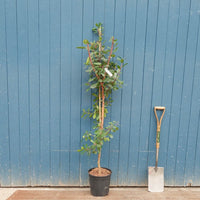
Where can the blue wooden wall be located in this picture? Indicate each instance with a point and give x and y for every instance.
(42, 90)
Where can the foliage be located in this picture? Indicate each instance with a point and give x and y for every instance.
(98, 138)
(104, 70)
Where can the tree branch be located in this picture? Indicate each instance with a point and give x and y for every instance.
(110, 51)
(110, 55)
(88, 48)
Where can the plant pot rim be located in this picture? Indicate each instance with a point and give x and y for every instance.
(100, 176)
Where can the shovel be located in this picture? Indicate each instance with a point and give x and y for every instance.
(156, 174)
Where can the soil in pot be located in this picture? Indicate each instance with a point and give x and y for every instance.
(103, 172)
(99, 183)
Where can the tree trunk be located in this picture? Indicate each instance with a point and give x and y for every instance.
(99, 106)
(99, 160)
(100, 124)
(103, 105)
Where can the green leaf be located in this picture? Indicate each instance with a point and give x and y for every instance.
(99, 24)
(87, 61)
(93, 85)
(115, 49)
(89, 70)
(83, 115)
(87, 89)
(125, 64)
(120, 59)
(80, 47)
(85, 42)
(111, 136)
(97, 63)
(94, 30)
(91, 79)
(95, 95)
(106, 139)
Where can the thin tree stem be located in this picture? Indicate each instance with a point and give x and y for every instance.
(109, 55)
(111, 51)
(99, 160)
(99, 106)
(100, 34)
(103, 105)
(88, 48)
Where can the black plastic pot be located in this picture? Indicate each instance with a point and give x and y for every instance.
(99, 185)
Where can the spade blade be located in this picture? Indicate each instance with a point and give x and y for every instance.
(155, 179)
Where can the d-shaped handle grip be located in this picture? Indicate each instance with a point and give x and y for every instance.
(159, 107)
(155, 111)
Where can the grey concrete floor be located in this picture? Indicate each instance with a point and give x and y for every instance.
(84, 193)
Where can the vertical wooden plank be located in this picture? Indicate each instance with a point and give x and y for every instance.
(197, 155)
(161, 36)
(192, 149)
(148, 76)
(34, 84)
(185, 104)
(192, 167)
(22, 29)
(44, 38)
(113, 146)
(116, 105)
(109, 9)
(55, 89)
(66, 46)
(12, 65)
(128, 74)
(75, 91)
(120, 24)
(85, 161)
(99, 11)
(170, 54)
(4, 106)
(137, 83)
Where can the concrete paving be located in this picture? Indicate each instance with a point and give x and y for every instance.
(84, 194)
(6, 192)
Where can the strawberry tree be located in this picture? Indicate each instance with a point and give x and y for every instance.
(104, 72)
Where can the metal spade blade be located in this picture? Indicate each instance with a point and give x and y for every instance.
(155, 179)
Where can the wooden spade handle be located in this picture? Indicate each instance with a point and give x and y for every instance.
(159, 121)
(159, 108)
(158, 131)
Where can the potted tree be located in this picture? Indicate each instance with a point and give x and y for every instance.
(104, 75)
